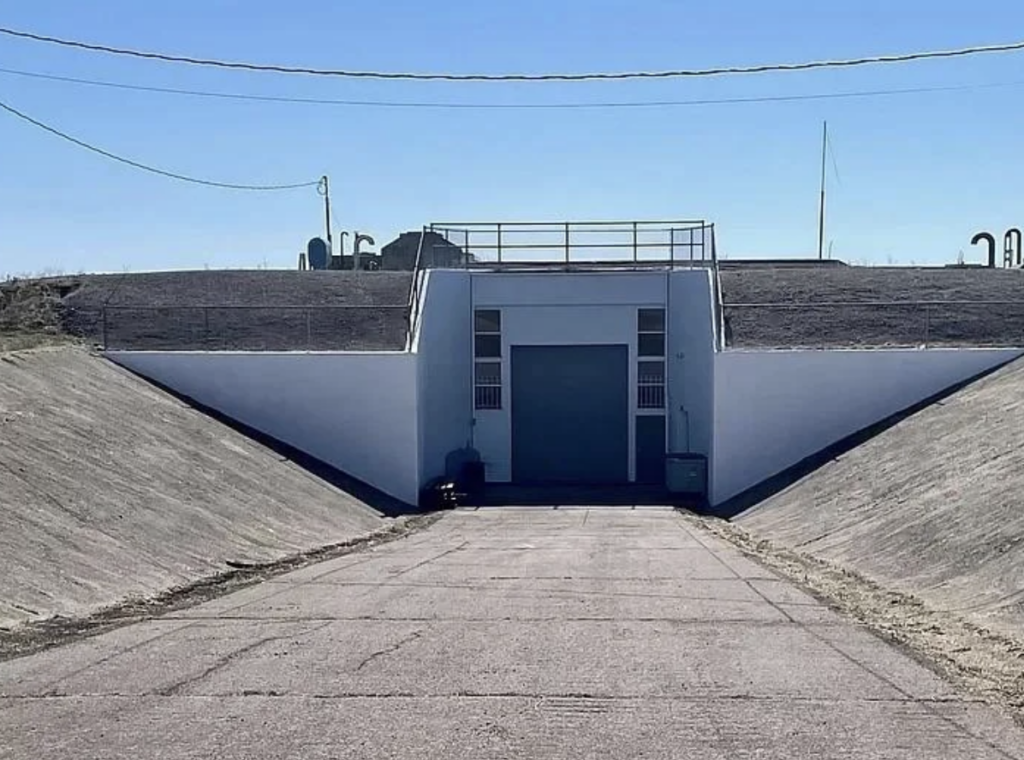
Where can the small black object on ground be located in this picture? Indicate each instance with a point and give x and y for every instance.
(447, 492)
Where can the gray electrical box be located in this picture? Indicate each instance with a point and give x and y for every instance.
(687, 474)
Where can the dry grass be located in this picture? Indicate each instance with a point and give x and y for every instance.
(30, 315)
(23, 341)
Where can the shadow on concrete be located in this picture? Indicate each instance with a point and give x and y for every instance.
(369, 495)
(788, 477)
(502, 495)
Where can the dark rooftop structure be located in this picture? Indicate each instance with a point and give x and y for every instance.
(437, 252)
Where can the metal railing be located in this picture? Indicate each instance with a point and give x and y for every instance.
(895, 324)
(632, 243)
(248, 328)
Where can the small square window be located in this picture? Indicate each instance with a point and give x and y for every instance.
(488, 373)
(651, 373)
(651, 320)
(488, 346)
(487, 321)
(651, 344)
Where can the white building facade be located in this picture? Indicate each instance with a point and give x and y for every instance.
(592, 376)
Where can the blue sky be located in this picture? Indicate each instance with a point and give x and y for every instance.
(917, 174)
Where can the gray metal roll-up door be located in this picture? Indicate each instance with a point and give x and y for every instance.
(570, 414)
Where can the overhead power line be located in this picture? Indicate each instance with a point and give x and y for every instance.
(847, 94)
(146, 167)
(667, 74)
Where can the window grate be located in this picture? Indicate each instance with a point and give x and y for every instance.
(487, 385)
(651, 345)
(488, 397)
(651, 397)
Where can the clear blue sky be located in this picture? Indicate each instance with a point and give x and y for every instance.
(919, 173)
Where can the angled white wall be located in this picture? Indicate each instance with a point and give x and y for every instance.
(445, 367)
(775, 408)
(355, 411)
(691, 352)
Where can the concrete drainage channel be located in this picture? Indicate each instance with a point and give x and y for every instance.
(979, 662)
(30, 638)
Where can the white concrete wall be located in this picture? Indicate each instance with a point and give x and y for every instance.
(499, 289)
(595, 309)
(445, 366)
(691, 353)
(355, 411)
(557, 308)
(549, 326)
(775, 408)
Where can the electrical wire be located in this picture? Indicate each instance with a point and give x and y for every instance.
(513, 106)
(600, 76)
(145, 167)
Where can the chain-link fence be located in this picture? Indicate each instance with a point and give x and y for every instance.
(875, 324)
(247, 328)
(386, 328)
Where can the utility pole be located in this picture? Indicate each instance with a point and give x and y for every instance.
(324, 188)
(821, 209)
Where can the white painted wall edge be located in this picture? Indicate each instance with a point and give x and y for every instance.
(422, 284)
(1009, 350)
(113, 354)
(412, 341)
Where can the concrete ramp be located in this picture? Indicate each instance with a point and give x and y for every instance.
(111, 489)
(933, 507)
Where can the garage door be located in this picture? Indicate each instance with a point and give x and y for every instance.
(570, 414)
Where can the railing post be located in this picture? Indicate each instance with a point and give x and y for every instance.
(499, 242)
(634, 243)
(566, 242)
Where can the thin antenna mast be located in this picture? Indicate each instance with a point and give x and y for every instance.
(821, 210)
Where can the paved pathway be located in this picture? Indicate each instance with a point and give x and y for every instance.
(494, 634)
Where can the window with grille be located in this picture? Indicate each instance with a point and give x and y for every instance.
(487, 359)
(651, 385)
(651, 364)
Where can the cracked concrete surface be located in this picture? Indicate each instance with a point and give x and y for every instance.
(112, 491)
(931, 507)
(512, 633)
